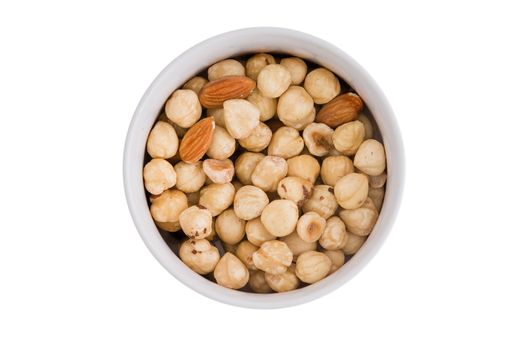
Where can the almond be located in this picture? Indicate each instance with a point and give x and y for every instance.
(340, 110)
(197, 140)
(214, 93)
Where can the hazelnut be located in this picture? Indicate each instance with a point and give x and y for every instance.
(312, 266)
(193, 198)
(273, 257)
(266, 105)
(323, 201)
(369, 128)
(310, 226)
(225, 68)
(295, 189)
(218, 171)
(348, 137)
(191, 177)
(337, 257)
(353, 243)
(351, 190)
(196, 222)
(295, 107)
(241, 117)
(162, 141)
(283, 282)
(230, 272)
(377, 181)
(199, 255)
(217, 197)
(286, 143)
(304, 166)
(183, 108)
(318, 139)
(258, 139)
(256, 233)
(257, 282)
(280, 217)
(334, 168)
(268, 172)
(229, 248)
(360, 221)
(195, 84)
(377, 195)
(222, 144)
(244, 252)
(213, 234)
(245, 164)
(249, 202)
(297, 245)
(256, 63)
(370, 158)
(273, 80)
(334, 235)
(218, 116)
(159, 175)
(322, 85)
(297, 68)
(168, 226)
(168, 205)
(229, 227)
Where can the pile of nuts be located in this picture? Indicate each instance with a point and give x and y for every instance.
(277, 179)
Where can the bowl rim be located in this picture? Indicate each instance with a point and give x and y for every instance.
(251, 40)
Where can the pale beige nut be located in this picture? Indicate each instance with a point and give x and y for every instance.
(245, 164)
(197, 140)
(245, 252)
(199, 255)
(297, 245)
(183, 108)
(318, 139)
(322, 85)
(196, 222)
(273, 80)
(229, 227)
(295, 108)
(163, 141)
(304, 166)
(266, 105)
(237, 184)
(297, 68)
(222, 145)
(353, 243)
(360, 221)
(218, 171)
(312, 266)
(257, 282)
(377, 195)
(256, 63)
(337, 257)
(230, 272)
(159, 175)
(213, 234)
(218, 116)
(295, 189)
(258, 139)
(249, 202)
(370, 157)
(217, 197)
(268, 172)
(334, 168)
(334, 235)
(195, 84)
(225, 68)
(241, 117)
(283, 282)
(190, 177)
(377, 181)
(280, 217)
(348, 137)
(351, 190)
(168, 226)
(286, 143)
(229, 248)
(273, 257)
(167, 206)
(323, 201)
(310, 226)
(256, 233)
(369, 128)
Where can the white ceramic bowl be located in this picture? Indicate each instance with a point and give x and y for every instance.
(237, 43)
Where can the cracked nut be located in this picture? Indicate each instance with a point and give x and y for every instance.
(286, 143)
(304, 166)
(256, 233)
(217, 197)
(273, 257)
(334, 235)
(370, 158)
(200, 255)
(163, 141)
(268, 172)
(334, 168)
(351, 190)
(280, 217)
(196, 222)
(312, 266)
(183, 108)
(230, 272)
(318, 139)
(295, 189)
(249, 202)
(322, 85)
(229, 227)
(323, 201)
(245, 164)
(273, 80)
(310, 226)
(159, 175)
(218, 171)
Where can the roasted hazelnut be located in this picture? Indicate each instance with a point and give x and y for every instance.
(230, 272)
(193, 198)
(334, 235)
(273, 80)
(168, 205)
(266, 105)
(191, 177)
(258, 140)
(370, 158)
(256, 233)
(162, 141)
(295, 189)
(273, 257)
(369, 129)
(351, 190)
(249, 202)
(244, 252)
(195, 84)
(199, 255)
(159, 175)
(312, 266)
(295, 108)
(286, 143)
(310, 226)
(229, 227)
(218, 116)
(323, 201)
(257, 282)
(297, 245)
(348, 137)
(280, 217)
(334, 168)
(304, 166)
(169, 226)
(360, 221)
(297, 68)
(256, 63)
(218, 171)
(322, 85)
(353, 243)
(318, 139)
(217, 197)
(268, 172)
(222, 144)
(283, 282)
(377, 195)
(337, 257)
(377, 181)
(196, 222)
(245, 164)
(183, 108)
(225, 68)
(241, 117)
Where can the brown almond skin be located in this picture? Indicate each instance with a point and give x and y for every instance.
(340, 110)
(197, 140)
(214, 93)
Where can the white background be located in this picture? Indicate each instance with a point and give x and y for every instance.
(74, 273)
